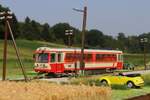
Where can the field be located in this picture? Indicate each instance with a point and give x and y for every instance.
(27, 48)
(118, 92)
(137, 60)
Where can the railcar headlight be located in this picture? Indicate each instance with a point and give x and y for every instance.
(36, 65)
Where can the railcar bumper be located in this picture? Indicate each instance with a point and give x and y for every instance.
(42, 70)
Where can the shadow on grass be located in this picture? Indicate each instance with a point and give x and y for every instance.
(119, 87)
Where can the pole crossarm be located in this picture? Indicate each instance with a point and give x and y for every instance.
(69, 34)
(78, 10)
(6, 15)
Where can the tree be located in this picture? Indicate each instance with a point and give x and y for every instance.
(59, 31)
(95, 38)
(110, 42)
(45, 34)
(133, 44)
(14, 26)
(121, 41)
(2, 22)
(36, 33)
(27, 20)
(27, 29)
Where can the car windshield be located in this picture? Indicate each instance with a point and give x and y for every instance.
(133, 75)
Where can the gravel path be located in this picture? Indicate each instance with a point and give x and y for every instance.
(141, 72)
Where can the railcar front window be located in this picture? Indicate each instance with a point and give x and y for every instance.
(42, 58)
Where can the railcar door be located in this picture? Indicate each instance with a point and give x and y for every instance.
(53, 62)
(57, 64)
(120, 61)
(60, 64)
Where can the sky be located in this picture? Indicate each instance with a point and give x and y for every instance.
(131, 17)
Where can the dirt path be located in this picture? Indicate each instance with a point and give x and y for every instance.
(57, 80)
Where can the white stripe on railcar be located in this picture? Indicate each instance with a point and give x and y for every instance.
(75, 49)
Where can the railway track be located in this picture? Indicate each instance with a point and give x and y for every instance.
(66, 79)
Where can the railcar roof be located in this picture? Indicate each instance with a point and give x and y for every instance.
(75, 49)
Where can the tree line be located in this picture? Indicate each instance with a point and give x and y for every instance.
(94, 38)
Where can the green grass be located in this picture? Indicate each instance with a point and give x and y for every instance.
(146, 78)
(119, 92)
(136, 59)
(128, 93)
(27, 48)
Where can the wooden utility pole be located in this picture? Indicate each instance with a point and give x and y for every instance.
(83, 38)
(17, 53)
(6, 16)
(145, 66)
(82, 64)
(144, 41)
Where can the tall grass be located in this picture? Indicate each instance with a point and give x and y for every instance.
(146, 78)
(47, 91)
(89, 80)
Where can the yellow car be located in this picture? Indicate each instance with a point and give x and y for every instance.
(130, 80)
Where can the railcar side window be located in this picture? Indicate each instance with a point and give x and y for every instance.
(53, 57)
(99, 57)
(59, 57)
(105, 57)
(88, 57)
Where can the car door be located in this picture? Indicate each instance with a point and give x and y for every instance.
(121, 80)
(113, 79)
(116, 80)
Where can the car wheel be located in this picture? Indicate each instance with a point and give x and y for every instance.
(104, 83)
(130, 84)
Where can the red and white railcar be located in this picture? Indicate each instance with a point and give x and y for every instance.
(63, 60)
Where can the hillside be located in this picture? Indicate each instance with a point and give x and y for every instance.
(26, 49)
